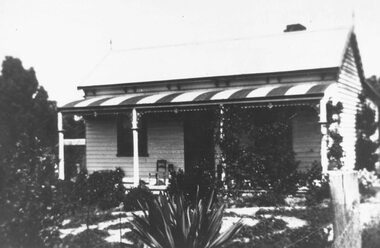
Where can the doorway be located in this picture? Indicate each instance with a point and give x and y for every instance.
(199, 140)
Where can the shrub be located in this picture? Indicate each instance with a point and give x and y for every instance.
(366, 180)
(74, 192)
(195, 183)
(366, 126)
(170, 222)
(102, 189)
(269, 198)
(257, 148)
(371, 235)
(317, 184)
(106, 189)
(136, 196)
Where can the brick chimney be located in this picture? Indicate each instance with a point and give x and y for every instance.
(294, 27)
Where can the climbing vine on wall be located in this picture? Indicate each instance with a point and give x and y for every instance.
(257, 147)
(335, 150)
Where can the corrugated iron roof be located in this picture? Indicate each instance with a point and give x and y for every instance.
(291, 51)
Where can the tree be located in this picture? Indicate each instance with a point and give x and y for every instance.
(28, 216)
(366, 125)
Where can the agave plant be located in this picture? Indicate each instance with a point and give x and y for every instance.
(167, 222)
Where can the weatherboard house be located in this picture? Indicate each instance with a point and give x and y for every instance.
(151, 105)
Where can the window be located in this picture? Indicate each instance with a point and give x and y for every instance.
(125, 137)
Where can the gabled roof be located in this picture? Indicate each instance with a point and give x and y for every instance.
(291, 51)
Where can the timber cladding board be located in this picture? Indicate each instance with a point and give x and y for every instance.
(306, 138)
(165, 141)
(349, 88)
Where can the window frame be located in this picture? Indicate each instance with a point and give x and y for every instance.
(124, 136)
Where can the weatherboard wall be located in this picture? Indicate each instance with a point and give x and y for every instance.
(165, 141)
(349, 87)
(306, 138)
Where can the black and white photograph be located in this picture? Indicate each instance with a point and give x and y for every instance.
(189, 124)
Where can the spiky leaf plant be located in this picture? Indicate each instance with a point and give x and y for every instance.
(168, 222)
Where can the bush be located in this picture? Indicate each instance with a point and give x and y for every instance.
(269, 198)
(106, 189)
(371, 235)
(366, 126)
(136, 196)
(257, 148)
(196, 183)
(317, 184)
(366, 181)
(102, 189)
(169, 221)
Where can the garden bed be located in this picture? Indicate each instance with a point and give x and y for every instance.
(262, 226)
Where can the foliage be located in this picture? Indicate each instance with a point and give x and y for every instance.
(74, 192)
(298, 238)
(170, 222)
(257, 148)
(317, 184)
(195, 183)
(271, 233)
(335, 150)
(366, 181)
(371, 235)
(366, 126)
(74, 127)
(132, 236)
(106, 189)
(101, 189)
(74, 161)
(136, 195)
(261, 198)
(29, 204)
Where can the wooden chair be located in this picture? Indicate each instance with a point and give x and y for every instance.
(161, 174)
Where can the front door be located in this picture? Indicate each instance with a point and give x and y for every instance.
(199, 140)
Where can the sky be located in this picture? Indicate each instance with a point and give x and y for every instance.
(65, 40)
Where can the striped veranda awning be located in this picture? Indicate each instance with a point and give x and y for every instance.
(256, 94)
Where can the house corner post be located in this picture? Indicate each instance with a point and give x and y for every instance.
(324, 133)
(221, 138)
(136, 175)
(61, 148)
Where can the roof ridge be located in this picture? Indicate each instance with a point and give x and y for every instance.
(251, 37)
